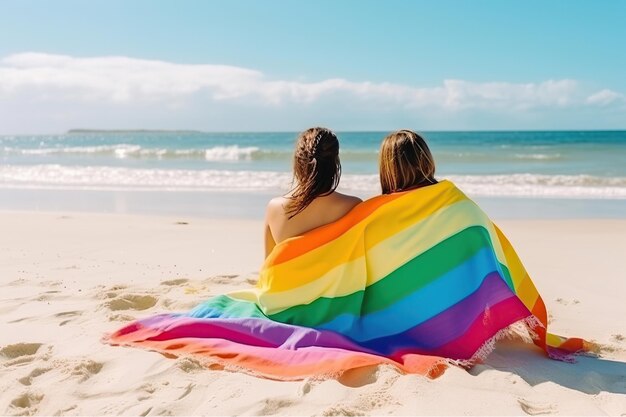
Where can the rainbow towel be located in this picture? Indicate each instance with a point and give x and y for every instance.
(416, 279)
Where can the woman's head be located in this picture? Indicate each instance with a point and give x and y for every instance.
(405, 162)
(316, 167)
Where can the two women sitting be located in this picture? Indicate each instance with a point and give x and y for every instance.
(418, 278)
(405, 163)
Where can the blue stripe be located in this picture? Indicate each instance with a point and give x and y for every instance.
(423, 304)
(449, 324)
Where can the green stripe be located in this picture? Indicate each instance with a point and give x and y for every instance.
(428, 266)
(226, 307)
(507, 277)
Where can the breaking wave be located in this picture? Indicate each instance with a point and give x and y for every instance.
(51, 176)
(217, 153)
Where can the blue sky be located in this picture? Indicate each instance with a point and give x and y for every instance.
(282, 65)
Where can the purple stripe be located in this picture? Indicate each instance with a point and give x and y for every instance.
(428, 336)
(485, 326)
(449, 324)
(249, 331)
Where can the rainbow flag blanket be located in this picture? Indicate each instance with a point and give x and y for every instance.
(418, 279)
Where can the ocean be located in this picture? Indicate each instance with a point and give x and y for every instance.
(561, 165)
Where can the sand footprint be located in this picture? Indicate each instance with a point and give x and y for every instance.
(28, 379)
(112, 291)
(190, 365)
(121, 317)
(131, 302)
(177, 304)
(174, 282)
(342, 411)
(146, 391)
(85, 369)
(373, 401)
(271, 406)
(26, 404)
(535, 409)
(18, 350)
(23, 353)
(105, 293)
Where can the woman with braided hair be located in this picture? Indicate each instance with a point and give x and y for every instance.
(313, 201)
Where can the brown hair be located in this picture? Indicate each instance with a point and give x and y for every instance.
(316, 168)
(405, 162)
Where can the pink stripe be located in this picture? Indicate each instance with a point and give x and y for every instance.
(290, 364)
(499, 316)
(183, 327)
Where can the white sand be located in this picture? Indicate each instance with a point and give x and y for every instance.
(67, 279)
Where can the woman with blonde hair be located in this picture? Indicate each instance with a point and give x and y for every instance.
(405, 162)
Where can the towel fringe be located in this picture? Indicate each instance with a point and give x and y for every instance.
(523, 329)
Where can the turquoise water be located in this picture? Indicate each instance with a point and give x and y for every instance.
(573, 164)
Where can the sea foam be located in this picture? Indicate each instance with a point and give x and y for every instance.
(121, 151)
(52, 176)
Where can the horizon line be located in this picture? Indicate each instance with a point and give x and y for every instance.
(196, 131)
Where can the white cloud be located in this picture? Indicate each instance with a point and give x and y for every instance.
(604, 97)
(46, 91)
(122, 79)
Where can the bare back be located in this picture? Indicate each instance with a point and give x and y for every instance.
(323, 210)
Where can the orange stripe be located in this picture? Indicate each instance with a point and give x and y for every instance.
(261, 364)
(539, 311)
(572, 345)
(541, 337)
(317, 237)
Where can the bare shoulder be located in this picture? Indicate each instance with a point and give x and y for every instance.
(348, 199)
(276, 207)
(346, 202)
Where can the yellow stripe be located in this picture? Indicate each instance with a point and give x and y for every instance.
(382, 259)
(388, 256)
(353, 243)
(527, 293)
(554, 340)
(342, 280)
(516, 268)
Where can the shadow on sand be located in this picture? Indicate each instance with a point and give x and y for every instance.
(590, 375)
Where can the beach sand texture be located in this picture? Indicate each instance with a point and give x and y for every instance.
(67, 278)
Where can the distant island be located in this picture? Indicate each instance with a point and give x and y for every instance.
(130, 131)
